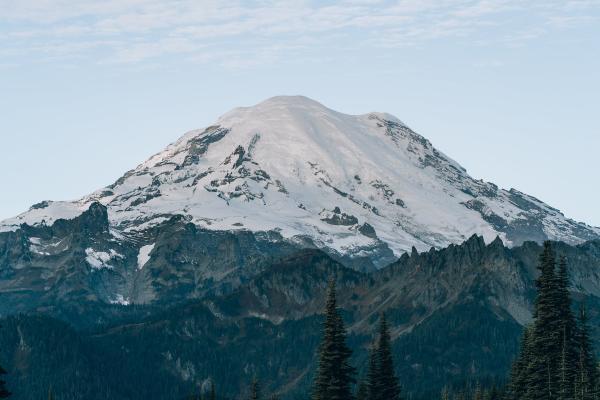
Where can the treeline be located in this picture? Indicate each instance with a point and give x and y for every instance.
(556, 360)
(336, 377)
(474, 393)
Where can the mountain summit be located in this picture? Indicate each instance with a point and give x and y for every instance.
(206, 252)
(352, 184)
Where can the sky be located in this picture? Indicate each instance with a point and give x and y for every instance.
(509, 89)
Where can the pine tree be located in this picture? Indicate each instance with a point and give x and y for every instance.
(445, 393)
(4, 393)
(518, 376)
(212, 395)
(335, 375)
(567, 330)
(388, 385)
(493, 393)
(586, 380)
(547, 364)
(543, 375)
(460, 395)
(362, 393)
(478, 393)
(195, 397)
(255, 389)
(373, 387)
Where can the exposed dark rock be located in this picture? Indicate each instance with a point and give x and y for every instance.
(40, 205)
(199, 144)
(94, 220)
(340, 218)
(368, 230)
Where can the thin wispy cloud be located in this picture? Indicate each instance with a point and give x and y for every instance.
(133, 31)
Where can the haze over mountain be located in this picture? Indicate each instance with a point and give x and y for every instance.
(356, 185)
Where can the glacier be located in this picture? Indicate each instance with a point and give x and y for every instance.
(348, 183)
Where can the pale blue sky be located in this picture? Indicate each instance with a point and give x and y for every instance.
(510, 89)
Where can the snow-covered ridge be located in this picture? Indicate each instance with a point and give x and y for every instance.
(348, 182)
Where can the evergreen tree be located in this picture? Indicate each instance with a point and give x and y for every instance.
(568, 332)
(255, 389)
(543, 375)
(335, 375)
(586, 381)
(478, 393)
(445, 393)
(546, 366)
(4, 393)
(212, 395)
(518, 376)
(493, 393)
(196, 397)
(387, 382)
(362, 393)
(460, 395)
(373, 387)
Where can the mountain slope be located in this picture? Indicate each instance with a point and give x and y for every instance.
(357, 185)
(448, 312)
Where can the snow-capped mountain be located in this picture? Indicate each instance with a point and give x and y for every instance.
(207, 249)
(348, 183)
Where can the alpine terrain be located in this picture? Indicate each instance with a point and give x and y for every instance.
(209, 263)
(363, 185)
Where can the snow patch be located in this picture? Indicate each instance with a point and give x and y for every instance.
(120, 299)
(45, 214)
(100, 259)
(275, 319)
(114, 254)
(144, 255)
(38, 246)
